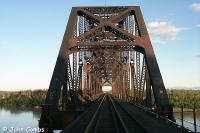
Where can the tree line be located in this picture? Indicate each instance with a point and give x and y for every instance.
(185, 98)
(31, 98)
(26, 98)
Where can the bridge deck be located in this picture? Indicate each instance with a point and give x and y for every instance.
(109, 115)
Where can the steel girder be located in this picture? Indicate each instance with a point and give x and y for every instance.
(108, 45)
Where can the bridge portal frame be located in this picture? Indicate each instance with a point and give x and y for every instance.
(70, 44)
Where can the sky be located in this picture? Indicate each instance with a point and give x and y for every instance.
(31, 32)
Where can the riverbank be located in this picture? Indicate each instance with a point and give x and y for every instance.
(178, 110)
(186, 98)
(34, 98)
(26, 98)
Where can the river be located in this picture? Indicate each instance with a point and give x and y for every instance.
(188, 120)
(14, 120)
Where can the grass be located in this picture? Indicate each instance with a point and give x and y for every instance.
(22, 98)
(32, 98)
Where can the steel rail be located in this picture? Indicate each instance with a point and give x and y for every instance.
(140, 125)
(71, 125)
(91, 123)
(119, 116)
(115, 121)
(113, 118)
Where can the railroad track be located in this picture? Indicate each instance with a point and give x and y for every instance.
(131, 125)
(108, 117)
(79, 124)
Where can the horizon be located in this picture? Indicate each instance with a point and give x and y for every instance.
(104, 89)
(31, 34)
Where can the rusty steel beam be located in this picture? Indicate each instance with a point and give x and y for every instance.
(59, 70)
(102, 46)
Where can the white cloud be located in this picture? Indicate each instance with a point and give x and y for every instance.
(198, 56)
(162, 31)
(196, 7)
(198, 25)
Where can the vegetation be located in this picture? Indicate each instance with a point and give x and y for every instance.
(22, 98)
(185, 98)
(29, 98)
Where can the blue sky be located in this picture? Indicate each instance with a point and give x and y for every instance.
(31, 32)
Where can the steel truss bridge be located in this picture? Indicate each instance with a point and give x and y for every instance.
(107, 46)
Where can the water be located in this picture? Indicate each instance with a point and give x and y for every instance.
(19, 120)
(188, 120)
(15, 120)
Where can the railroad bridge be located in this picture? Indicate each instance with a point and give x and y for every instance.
(107, 47)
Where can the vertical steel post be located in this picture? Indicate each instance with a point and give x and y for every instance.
(194, 116)
(74, 81)
(64, 92)
(148, 90)
(182, 124)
